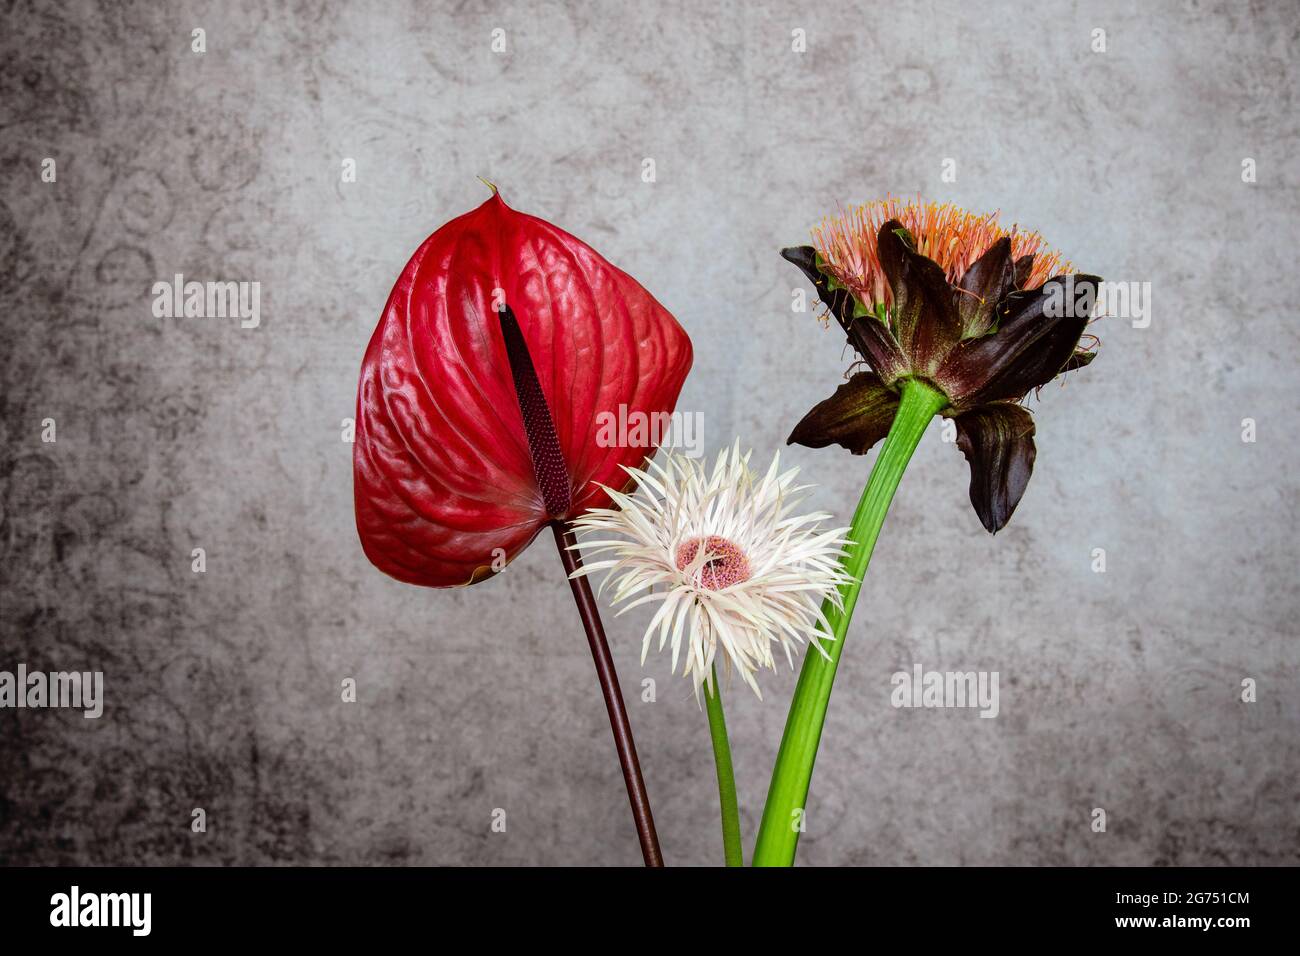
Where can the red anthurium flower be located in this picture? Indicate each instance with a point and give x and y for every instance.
(503, 345)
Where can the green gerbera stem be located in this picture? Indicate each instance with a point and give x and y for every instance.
(778, 835)
(731, 847)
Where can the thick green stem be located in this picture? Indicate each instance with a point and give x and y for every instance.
(731, 846)
(783, 815)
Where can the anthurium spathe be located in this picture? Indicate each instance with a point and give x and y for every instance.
(445, 485)
(981, 314)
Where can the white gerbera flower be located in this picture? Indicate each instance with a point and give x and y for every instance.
(737, 569)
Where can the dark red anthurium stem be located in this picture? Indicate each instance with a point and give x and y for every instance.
(553, 479)
(618, 722)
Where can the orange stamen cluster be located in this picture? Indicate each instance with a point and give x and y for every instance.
(948, 234)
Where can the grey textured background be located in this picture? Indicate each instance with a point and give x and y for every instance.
(1119, 690)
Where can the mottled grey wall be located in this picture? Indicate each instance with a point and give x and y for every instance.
(1119, 690)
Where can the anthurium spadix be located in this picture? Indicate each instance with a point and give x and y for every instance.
(504, 344)
(953, 315)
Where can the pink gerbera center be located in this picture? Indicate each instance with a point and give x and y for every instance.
(724, 564)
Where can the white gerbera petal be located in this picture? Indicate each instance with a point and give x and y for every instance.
(735, 569)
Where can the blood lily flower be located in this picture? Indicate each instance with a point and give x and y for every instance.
(980, 313)
(956, 316)
(721, 552)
